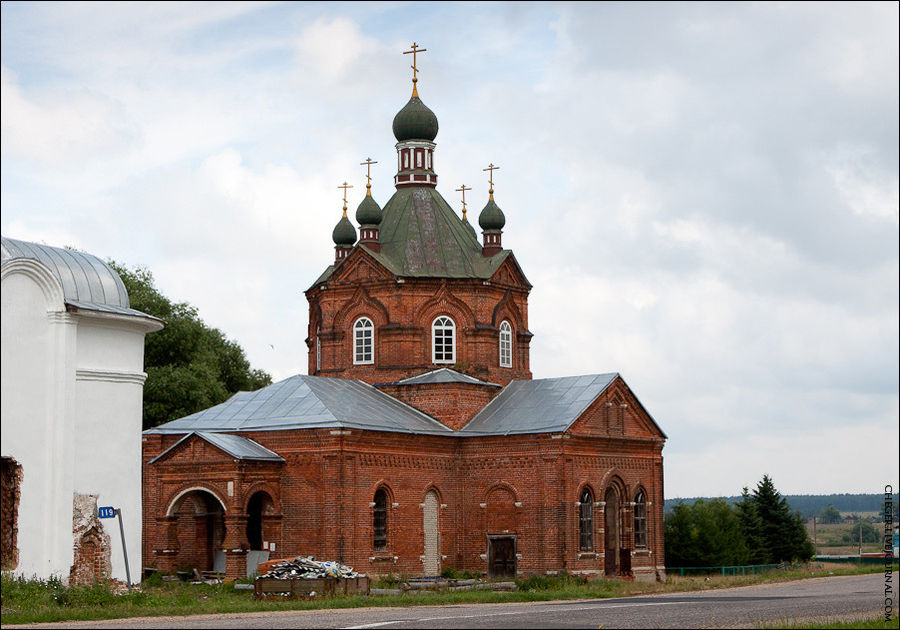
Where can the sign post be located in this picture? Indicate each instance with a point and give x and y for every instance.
(110, 512)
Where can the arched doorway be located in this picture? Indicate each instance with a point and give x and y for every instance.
(260, 505)
(432, 555)
(200, 523)
(611, 532)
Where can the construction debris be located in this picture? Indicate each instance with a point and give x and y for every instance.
(309, 568)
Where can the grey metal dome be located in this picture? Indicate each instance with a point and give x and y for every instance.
(87, 282)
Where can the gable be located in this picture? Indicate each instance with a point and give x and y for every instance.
(359, 266)
(202, 446)
(616, 413)
(510, 273)
(194, 450)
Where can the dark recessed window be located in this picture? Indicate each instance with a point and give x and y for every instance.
(586, 521)
(379, 521)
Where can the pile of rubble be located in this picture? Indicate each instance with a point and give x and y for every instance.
(309, 568)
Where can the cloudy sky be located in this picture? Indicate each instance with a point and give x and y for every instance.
(704, 196)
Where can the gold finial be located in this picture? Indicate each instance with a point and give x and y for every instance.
(415, 50)
(463, 190)
(368, 164)
(491, 168)
(345, 186)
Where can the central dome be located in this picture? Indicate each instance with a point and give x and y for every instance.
(415, 122)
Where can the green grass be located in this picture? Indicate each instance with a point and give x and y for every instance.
(874, 622)
(24, 601)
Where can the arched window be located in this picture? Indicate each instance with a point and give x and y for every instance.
(379, 520)
(505, 345)
(363, 337)
(443, 340)
(318, 350)
(640, 520)
(586, 521)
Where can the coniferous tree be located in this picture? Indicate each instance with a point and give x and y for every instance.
(783, 533)
(752, 528)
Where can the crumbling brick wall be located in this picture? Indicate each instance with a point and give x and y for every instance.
(10, 488)
(91, 543)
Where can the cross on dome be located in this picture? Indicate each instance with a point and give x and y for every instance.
(414, 51)
(491, 168)
(345, 186)
(368, 164)
(463, 190)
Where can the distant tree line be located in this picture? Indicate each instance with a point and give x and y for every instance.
(189, 365)
(812, 504)
(760, 528)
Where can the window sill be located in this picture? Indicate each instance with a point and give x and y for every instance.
(383, 556)
(587, 555)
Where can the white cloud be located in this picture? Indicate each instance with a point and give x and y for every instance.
(704, 202)
(61, 128)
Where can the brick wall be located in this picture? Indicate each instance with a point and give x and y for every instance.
(403, 313)
(526, 485)
(453, 404)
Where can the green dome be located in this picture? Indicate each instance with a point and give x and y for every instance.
(344, 232)
(368, 212)
(491, 218)
(415, 122)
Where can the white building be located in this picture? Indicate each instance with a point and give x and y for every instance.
(71, 397)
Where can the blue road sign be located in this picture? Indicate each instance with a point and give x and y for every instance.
(106, 512)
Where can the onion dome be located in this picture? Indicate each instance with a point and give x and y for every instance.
(415, 122)
(344, 232)
(368, 212)
(491, 218)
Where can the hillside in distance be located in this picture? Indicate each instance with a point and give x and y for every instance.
(810, 504)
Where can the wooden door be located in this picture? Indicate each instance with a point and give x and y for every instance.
(502, 556)
(430, 511)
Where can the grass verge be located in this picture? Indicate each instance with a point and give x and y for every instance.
(24, 601)
(872, 623)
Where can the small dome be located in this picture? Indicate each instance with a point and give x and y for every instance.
(491, 218)
(344, 232)
(415, 122)
(368, 212)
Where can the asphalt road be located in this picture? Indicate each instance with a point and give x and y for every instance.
(833, 597)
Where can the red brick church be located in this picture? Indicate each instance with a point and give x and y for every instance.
(419, 440)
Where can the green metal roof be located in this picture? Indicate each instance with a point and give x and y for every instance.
(422, 237)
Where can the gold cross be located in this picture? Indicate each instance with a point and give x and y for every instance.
(368, 164)
(415, 50)
(345, 186)
(463, 190)
(491, 168)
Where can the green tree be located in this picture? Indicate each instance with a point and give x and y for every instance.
(783, 532)
(752, 528)
(869, 534)
(707, 534)
(829, 515)
(189, 365)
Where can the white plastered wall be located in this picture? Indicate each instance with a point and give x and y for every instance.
(108, 406)
(71, 398)
(37, 353)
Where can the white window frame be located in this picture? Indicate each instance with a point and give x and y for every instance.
(445, 325)
(505, 344)
(359, 334)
